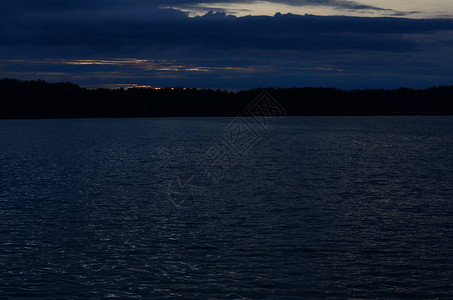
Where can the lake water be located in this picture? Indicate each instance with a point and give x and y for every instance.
(306, 207)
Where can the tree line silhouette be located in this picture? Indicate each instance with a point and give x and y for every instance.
(39, 99)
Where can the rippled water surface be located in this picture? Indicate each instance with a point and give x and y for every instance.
(318, 207)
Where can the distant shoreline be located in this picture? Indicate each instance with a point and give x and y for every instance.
(224, 116)
(42, 100)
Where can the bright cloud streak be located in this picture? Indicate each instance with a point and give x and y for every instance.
(144, 64)
(424, 8)
(406, 8)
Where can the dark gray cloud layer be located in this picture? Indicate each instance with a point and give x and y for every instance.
(59, 5)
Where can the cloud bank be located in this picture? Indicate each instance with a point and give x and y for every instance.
(140, 43)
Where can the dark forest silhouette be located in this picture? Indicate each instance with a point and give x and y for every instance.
(39, 99)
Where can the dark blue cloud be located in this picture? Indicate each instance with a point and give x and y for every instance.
(217, 31)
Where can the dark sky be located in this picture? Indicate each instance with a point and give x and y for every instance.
(179, 43)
